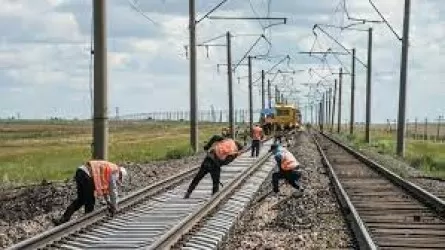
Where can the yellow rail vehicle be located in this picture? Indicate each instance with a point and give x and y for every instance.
(287, 116)
(281, 117)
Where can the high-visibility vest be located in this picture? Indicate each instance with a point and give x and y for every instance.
(225, 148)
(288, 161)
(257, 133)
(101, 172)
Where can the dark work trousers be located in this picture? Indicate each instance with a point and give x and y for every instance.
(207, 166)
(85, 195)
(255, 149)
(291, 177)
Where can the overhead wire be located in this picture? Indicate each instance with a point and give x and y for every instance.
(357, 19)
(384, 20)
(248, 51)
(137, 9)
(211, 11)
(255, 13)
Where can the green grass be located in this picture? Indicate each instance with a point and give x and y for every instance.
(427, 156)
(34, 151)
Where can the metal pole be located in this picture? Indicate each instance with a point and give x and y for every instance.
(322, 108)
(326, 110)
(277, 98)
(193, 82)
(415, 129)
(328, 117)
(368, 88)
(403, 79)
(320, 112)
(100, 126)
(250, 96)
(312, 114)
(316, 114)
(351, 122)
(269, 93)
(263, 97)
(333, 105)
(229, 77)
(339, 100)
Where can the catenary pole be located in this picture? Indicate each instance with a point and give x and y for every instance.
(351, 121)
(229, 77)
(403, 79)
(368, 89)
(339, 100)
(100, 126)
(193, 79)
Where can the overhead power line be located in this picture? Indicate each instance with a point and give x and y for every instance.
(137, 9)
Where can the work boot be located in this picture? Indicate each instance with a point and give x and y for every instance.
(57, 222)
(187, 195)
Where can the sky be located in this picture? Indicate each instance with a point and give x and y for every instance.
(45, 59)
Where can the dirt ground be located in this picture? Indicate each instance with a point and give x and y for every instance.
(27, 211)
(310, 221)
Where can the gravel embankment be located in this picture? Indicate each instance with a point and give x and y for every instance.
(27, 211)
(313, 221)
(403, 169)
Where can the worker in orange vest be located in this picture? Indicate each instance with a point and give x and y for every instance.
(94, 179)
(288, 168)
(220, 151)
(257, 136)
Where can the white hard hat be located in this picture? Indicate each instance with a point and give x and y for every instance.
(124, 174)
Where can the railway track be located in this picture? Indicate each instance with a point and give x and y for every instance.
(384, 211)
(155, 217)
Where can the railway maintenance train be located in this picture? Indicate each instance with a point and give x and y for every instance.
(282, 117)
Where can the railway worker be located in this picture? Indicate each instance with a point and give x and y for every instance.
(220, 151)
(257, 136)
(278, 134)
(244, 133)
(268, 124)
(287, 168)
(95, 178)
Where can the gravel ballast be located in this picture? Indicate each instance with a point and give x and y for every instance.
(311, 221)
(27, 211)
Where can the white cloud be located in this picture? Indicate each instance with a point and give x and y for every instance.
(45, 53)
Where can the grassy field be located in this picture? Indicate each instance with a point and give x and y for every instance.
(428, 156)
(51, 150)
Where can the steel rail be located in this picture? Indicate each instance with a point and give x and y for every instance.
(369, 231)
(176, 233)
(101, 214)
(361, 233)
(437, 204)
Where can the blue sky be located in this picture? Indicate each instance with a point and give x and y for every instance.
(44, 54)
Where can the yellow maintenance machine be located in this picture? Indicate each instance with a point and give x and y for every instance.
(281, 117)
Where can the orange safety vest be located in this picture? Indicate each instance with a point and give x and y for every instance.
(225, 148)
(288, 161)
(257, 133)
(101, 173)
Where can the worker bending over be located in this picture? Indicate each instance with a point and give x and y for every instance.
(220, 151)
(257, 136)
(95, 178)
(288, 168)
